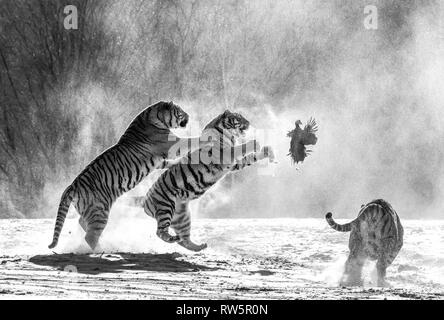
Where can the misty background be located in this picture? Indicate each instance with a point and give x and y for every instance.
(67, 95)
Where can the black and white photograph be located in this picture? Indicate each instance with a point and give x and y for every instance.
(238, 150)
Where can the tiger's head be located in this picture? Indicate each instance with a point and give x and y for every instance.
(230, 122)
(167, 115)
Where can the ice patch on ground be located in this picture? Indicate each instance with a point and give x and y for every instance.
(273, 257)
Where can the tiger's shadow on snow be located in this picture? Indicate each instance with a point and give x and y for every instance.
(93, 264)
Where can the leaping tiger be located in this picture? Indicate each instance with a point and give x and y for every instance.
(142, 148)
(377, 234)
(168, 199)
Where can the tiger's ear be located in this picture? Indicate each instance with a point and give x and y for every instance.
(226, 113)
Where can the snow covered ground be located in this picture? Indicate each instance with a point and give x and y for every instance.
(246, 258)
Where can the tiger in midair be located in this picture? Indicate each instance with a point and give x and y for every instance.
(377, 234)
(187, 179)
(143, 147)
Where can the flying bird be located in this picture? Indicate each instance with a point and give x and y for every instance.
(300, 138)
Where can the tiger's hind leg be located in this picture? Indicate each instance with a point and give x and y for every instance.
(389, 251)
(82, 223)
(390, 248)
(353, 267)
(163, 218)
(95, 220)
(353, 271)
(381, 269)
(181, 225)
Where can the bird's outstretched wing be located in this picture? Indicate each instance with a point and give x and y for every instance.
(311, 126)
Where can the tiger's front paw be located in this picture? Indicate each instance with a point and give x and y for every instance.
(166, 236)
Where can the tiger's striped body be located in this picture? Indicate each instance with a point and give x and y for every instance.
(376, 234)
(142, 148)
(168, 199)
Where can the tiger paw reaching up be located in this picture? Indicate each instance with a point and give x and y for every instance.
(248, 160)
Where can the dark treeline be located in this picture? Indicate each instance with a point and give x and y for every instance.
(66, 95)
(39, 59)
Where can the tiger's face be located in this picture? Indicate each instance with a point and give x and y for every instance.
(168, 115)
(231, 122)
(235, 123)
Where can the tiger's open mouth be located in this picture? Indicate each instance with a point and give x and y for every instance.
(243, 129)
(183, 123)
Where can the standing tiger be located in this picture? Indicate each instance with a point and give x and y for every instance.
(142, 148)
(377, 234)
(187, 179)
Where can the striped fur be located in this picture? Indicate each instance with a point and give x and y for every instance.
(168, 199)
(142, 148)
(377, 234)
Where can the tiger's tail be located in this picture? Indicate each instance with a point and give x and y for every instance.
(338, 227)
(65, 202)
